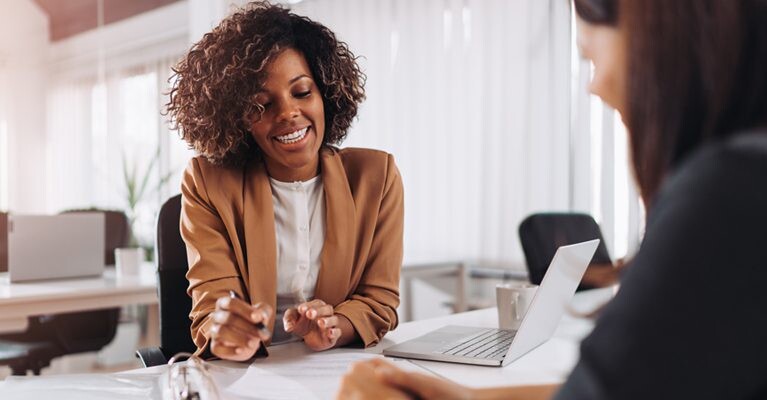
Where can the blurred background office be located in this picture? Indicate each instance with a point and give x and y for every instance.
(482, 102)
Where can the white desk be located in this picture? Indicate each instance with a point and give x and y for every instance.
(18, 301)
(410, 272)
(551, 362)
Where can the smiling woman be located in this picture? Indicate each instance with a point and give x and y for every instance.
(309, 235)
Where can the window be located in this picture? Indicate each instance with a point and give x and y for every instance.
(3, 164)
(4, 141)
(602, 180)
(107, 137)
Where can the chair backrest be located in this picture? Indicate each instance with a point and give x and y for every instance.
(542, 234)
(3, 242)
(117, 231)
(172, 266)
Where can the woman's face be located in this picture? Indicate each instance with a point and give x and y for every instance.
(291, 128)
(605, 46)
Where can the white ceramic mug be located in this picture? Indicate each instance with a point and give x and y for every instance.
(128, 261)
(513, 302)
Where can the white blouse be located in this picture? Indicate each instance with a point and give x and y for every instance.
(299, 224)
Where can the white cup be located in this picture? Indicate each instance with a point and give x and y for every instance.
(128, 261)
(513, 302)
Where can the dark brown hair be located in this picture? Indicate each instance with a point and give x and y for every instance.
(599, 12)
(211, 99)
(697, 73)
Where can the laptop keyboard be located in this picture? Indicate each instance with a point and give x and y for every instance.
(489, 343)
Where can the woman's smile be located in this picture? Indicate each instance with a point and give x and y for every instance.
(293, 137)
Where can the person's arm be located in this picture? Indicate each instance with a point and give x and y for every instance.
(688, 321)
(603, 275)
(372, 309)
(212, 274)
(531, 392)
(369, 379)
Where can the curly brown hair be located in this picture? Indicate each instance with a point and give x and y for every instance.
(211, 97)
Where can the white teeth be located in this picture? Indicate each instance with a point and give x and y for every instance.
(293, 136)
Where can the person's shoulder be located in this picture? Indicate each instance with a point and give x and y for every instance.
(366, 168)
(735, 160)
(200, 172)
(723, 174)
(362, 157)
(365, 162)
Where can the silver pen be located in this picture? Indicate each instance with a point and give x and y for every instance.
(259, 325)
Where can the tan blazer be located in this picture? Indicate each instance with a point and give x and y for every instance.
(227, 222)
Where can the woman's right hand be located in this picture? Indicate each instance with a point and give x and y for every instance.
(234, 335)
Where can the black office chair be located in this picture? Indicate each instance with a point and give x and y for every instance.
(541, 234)
(51, 336)
(175, 304)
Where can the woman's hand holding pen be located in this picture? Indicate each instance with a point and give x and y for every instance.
(236, 334)
(316, 322)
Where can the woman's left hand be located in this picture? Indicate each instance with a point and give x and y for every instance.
(362, 382)
(379, 379)
(315, 322)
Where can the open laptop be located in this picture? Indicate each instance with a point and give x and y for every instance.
(55, 246)
(496, 347)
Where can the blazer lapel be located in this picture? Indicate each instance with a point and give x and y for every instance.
(260, 241)
(337, 258)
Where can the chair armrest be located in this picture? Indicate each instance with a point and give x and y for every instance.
(151, 356)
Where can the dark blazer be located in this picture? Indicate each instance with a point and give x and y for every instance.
(689, 320)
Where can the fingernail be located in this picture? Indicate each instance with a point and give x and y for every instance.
(254, 316)
(312, 314)
(239, 350)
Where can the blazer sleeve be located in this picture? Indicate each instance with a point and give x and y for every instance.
(372, 308)
(212, 264)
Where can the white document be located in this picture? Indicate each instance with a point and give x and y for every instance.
(292, 372)
(123, 386)
(288, 375)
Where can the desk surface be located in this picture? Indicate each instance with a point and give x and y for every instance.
(549, 363)
(292, 367)
(18, 301)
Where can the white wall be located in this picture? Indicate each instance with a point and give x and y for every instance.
(23, 52)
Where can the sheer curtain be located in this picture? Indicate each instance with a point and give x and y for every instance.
(4, 145)
(103, 134)
(472, 98)
(482, 102)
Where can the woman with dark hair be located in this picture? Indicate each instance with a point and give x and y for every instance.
(689, 78)
(287, 236)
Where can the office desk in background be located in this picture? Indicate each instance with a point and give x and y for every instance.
(292, 371)
(462, 272)
(18, 301)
